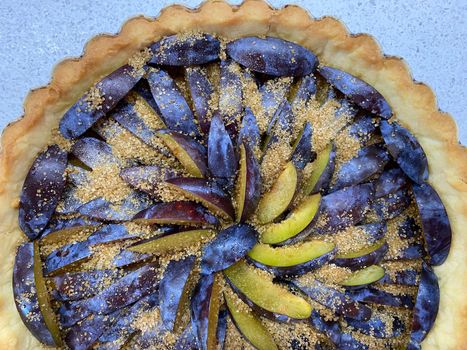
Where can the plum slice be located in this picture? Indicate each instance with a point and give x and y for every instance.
(174, 109)
(102, 209)
(272, 56)
(365, 256)
(206, 192)
(60, 228)
(123, 328)
(370, 160)
(296, 223)
(205, 305)
(380, 297)
(273, 93)
(201, 93)
(333, 299)
(99, 101)
(408, 277)
(190, 153)
(172, 289)
(177, 213)
(172, 242)
(73, 286)
(322, 171)
(390, 181)
(363, 128)
(426, 307)
(177, 50)
(249, 325)
(31, 295)
(392, 205)
(261, 294)
(221, 332)
(249, 133)
(293, 259)
(306, 89)
(345, 207)
(302, 153)
(229, 246)
(278, 198)
(67, 257)
(379, 327)
(127, 258)
(405, 150)
(279, 127)
(93, 152)
(248, 184)
(147, 178)
(127, 290)
(221, 155)
(41, 192)
(230, 95)
(364, 277)
(110, 233)
(435, 223)
(357, 91)
(330, 328)
(187, 340)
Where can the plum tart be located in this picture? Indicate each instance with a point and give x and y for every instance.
(233, 177)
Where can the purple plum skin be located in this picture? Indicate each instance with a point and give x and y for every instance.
(122, 329)
(127, 290)
(110, 233)
(113, 88)
(345, 207)
(363, 128)
(348, 341)
(200, 305)
(201, 93)
(65, 256)
(406, 277)
(25, 294)
(333, 299)
(392, 205)
(174, 109)
(330, 328)
(374, 231)
(93, 152)
(305, 91)
(376, 327)
(207, 190)
(221, 156)
(405, 150)
(376, 296)
(249, 132)
(47, 175)
(65, 226)
(409, 229)
(230, 96)
(435, 223)
(303, 153)
(128, 258)
(84, 335)
(372, 258)
(229, 246)
(357, 91)
(147, 178)
(74, 286)
(369, 161)
(273, 92)
(187, 51)
(69, 202)
(295, 270)
(426, 305)
(272, 56)
(171, 289)
(187, 340)
(178, 211)
(222, 328)
(253, 184)
(390, 181)
(325, 179)
(195, 150)
(127, 116)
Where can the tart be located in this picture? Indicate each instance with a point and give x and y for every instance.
(232, 177)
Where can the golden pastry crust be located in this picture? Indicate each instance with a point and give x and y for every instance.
(414, 104)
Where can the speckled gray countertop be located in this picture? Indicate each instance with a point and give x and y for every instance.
(429, 34)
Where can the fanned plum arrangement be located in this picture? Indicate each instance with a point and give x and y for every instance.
(229, 195)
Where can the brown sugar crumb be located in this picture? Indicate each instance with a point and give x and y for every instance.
(350, 239)
(139, 60)
(347, 147)
(103, 256)
(145, 111)
(274, 160)
(291, 335)
(331, 274)
(105, 182)
(147, 320)
(95, 99)
(395, 242)
(58, 139)
(252, 100)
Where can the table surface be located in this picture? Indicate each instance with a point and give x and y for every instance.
(429, 34)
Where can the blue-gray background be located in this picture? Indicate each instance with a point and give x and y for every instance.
(431, 35)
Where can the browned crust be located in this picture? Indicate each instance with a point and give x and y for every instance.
(413, 103)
